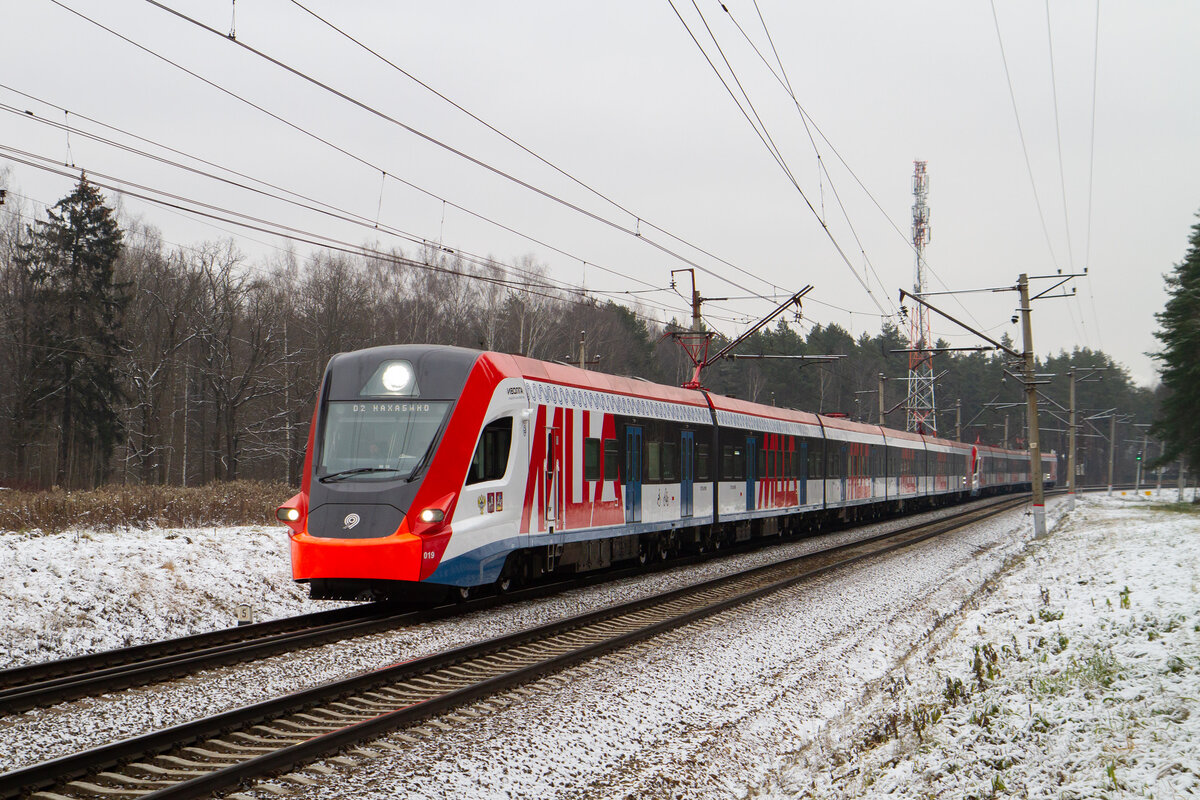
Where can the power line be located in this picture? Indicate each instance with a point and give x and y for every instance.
(339, 149)
(228, 216)
(1062, 178)
(768, 145)
(328, 209)
(521, 146)
(787, 85)
(439, 143)
(1087, 258)
(1021, 133)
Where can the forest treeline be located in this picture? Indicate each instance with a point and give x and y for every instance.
(128, 360)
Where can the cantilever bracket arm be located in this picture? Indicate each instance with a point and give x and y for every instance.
(961, 324)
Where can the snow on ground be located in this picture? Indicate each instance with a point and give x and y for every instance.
(812, 692)
(79, 592)
(1077, 675)
(67, 592)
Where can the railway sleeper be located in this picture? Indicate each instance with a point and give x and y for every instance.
(130, 780)
(103, 791)
(167, 772)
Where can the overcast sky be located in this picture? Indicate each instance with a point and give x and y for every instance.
(619, 97)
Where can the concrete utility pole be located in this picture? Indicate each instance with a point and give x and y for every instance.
(1071, 448)
(1137, 484)
(1158, 474)
(958, 420)
(1006, 431)
(881, 404)
(1035, 449)
(1112, 448)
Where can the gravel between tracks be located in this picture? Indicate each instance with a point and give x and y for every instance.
(209, 582)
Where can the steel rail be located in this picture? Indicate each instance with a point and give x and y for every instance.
(199, 757)
(52, 682)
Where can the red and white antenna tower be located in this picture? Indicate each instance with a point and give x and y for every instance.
(920, 405)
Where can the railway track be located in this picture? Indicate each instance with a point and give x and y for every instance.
(52, 682)
(215, 753)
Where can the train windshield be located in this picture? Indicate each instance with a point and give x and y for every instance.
(383, 439)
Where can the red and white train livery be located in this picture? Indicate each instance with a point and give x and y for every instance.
(431, 468)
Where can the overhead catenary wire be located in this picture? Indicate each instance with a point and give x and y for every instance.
(1021, 134)
(783, 80)
(300, 200)
(640, 220)
(248, 222)
(443, 145)
(807, 120)
(326, 142)
(1062, 178)
(766, 143)
(1087, 258)
(338, 148)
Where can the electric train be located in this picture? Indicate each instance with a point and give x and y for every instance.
(434, 471)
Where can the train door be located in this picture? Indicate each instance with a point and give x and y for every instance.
(802, 472)
(751, 468)
(633, 473)
(844, 471)
(687, 445)
(553, 478)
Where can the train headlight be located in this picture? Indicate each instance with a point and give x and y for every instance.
(287, 514)
(431, 515)
(397, 377)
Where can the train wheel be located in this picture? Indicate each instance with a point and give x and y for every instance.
(662, 548)
(643, 555)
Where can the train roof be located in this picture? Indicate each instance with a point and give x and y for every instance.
(566, 375)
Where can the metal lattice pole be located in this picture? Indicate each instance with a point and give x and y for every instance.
(921, 406)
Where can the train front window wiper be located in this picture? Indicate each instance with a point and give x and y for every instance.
(337, 476)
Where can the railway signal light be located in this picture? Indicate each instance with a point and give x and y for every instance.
(1139, 455)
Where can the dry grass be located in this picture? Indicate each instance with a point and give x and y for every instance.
(109, 507)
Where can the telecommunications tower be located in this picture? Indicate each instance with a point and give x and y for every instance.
(920, 406)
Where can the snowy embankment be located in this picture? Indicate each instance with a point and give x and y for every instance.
(863, 682)
(65, 594)
(1076, 675)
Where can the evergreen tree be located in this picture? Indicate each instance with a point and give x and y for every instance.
(69, 259)
(1178, 423)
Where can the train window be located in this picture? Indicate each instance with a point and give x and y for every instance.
(762, 462)
(491, 455)
(702, 462)
(670, 462)
(653, 461)
(610, 459)
(733, 463)
(591, 459)
(815, 461)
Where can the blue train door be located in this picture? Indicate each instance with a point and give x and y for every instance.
(802, 471)
(686, 446)
(633, 473)
(751, 467)
(845, 470)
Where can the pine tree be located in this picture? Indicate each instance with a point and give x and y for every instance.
(70, 260)
(1178, 423)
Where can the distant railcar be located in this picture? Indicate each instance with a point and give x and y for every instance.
(438, 470)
